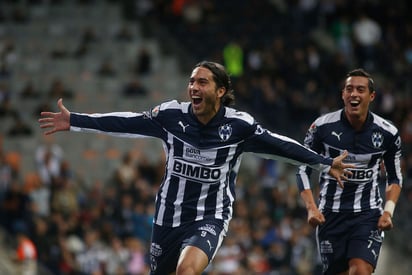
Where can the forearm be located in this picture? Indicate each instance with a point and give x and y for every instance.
(392, 195)
(307, 197)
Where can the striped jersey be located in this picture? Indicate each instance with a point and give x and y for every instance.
(202, 161)
(375, 151)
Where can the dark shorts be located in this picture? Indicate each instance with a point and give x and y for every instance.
(349, 235)
(168, 242)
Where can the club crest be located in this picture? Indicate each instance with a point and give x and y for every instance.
(377, 139)
(225, 131)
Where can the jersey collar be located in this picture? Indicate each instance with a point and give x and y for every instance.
(369, 119)
(219, 115)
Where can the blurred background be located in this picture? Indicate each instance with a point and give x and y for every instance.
(83, 203)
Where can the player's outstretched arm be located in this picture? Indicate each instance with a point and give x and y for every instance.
(55, 122)
(339, 170)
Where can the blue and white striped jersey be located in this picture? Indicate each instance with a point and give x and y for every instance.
(202, 161)
(377, 144)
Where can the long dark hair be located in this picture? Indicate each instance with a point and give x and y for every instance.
(222, 79)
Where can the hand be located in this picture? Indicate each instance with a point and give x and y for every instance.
(339, 170)
(56, 121)
(385, 222)
(315, 217)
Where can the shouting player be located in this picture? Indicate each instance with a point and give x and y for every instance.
(204, 140)
(350, 218)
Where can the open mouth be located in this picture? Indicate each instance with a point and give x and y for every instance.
(196, 100)
(354, 103)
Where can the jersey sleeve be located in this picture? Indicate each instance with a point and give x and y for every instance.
(121, 124)
(392, 161)
(274, 146)
(304, 172)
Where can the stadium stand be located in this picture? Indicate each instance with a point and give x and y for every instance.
(294, 55)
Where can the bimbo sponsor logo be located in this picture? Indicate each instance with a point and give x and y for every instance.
(197, 172)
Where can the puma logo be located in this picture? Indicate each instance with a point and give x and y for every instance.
(337, 135)
(183, 126)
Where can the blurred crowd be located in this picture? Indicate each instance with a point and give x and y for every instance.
(287, 60)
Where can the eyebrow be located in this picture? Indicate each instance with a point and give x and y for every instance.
(356, 86)
(199, 79)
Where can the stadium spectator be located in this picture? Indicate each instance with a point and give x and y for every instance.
(19, 128)
(367, 36)
(26, 254)
(58, 89)
(144, 60)
(134, 88)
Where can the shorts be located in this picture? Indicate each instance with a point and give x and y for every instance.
(349, 235)
(168, 242)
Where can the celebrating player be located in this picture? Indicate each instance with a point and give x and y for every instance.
(351, 218)
(203, 141)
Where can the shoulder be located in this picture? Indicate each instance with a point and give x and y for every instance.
(239, 116)
(328, 118)
(174, 105)
(384, 124)
(169, 106)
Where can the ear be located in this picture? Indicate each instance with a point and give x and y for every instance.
(221, 92)
(372, 96)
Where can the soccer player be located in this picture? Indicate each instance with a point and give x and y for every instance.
(203, 140)
(350, 219)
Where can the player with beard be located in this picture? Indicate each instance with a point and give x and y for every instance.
(203, 140)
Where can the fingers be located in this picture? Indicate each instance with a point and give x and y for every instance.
(385, 222)
(385, 225)
(50, 132)
(47, 125)
(61, 106)
(340, 182)
(344, 154)
(46, 114)
(45, 120)
(315, 221)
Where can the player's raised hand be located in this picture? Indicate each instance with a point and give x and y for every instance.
(339, 168)
(55, 122)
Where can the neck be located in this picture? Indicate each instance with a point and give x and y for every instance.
(203, 119)
(356, 121)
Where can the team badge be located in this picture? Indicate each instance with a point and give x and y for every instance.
(225, 131)
(259, 130)
(376, 236)
(310, 134)
(377, 139)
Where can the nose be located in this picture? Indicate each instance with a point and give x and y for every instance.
(354, 92)
(193, 86)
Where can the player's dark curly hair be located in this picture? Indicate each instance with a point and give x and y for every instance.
(362, 72)
(222, 79)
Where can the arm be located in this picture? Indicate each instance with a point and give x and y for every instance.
(55, 122)
(392, 195)
(122, 124)
(274, 146)
(391, 160)
(315, 217)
